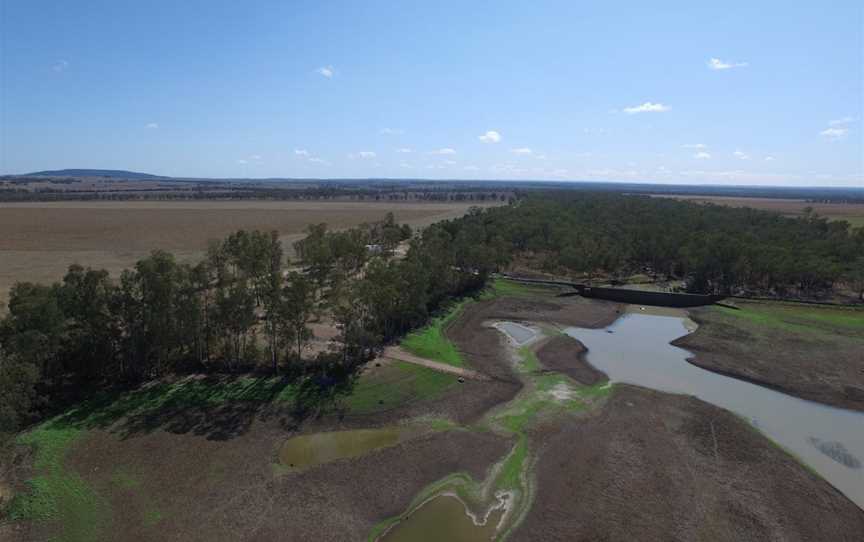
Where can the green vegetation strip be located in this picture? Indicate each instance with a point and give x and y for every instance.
(806, 318)
(544, 393)
(430, 342)
(504, 287)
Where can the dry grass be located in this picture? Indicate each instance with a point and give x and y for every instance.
(40, 240)
(850, 212)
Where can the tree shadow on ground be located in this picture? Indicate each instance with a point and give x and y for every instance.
(216, 407)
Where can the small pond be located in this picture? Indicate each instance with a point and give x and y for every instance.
(518, 333)
(308, 450)
(635, 349)
(444, 518)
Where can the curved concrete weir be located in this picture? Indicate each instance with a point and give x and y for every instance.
(636, 350)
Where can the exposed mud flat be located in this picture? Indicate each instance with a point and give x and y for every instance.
(828, 370)
(229, 490)
(566, 355)
(655, 466)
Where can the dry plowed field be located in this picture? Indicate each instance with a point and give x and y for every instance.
(38, 241)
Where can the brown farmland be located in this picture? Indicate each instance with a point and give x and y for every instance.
(40, 240)
(853, 213)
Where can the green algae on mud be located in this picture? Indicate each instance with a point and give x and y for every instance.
(446, 517)
(305, 451)
(442, 511)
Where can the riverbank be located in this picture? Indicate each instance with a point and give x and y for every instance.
(810, 352)
(657, 466)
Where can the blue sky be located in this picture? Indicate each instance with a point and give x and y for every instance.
(451, 90)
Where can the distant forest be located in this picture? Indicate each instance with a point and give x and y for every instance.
(244, 307)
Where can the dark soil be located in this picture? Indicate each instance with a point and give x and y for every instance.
(827, 368)
(231, 490)
(655, 466)
(566, 355)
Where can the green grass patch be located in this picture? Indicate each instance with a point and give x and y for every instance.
(430, 342)
(799, 318)
(597, 390)
(517, 419)
(502, 287)
(57, 494)
(510, 476)
(530, 363)
(396, 384)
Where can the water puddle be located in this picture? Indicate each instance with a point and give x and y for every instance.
(445, 517)
(308, 450)
(520, 335)
(637, 351)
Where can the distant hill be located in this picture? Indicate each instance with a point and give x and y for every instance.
(112, 173)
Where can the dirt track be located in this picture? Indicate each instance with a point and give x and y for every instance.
(655, 466)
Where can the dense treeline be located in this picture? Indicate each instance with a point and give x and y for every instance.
(715, 249)
(237, 309)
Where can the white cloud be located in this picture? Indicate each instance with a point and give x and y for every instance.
(491, 136)
(151, 125)
(363, 155)
(319, 161)
(647, 107)
(741, 155)
(471, 168)
(598, 131)
(326, 71)
(541, 156)
(769, 158)
(717, 64)
(60, 66)
(406, 165)
(301, 152)
(695, 146)
(702, 155)
(404, 150)
(521, 151)
(841, 122)
(241, 161)
(834, 133)
(392, 131)
(255, 157)
(443, 151)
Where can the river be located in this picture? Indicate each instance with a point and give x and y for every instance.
(636, 350)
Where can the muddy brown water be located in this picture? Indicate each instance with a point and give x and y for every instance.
(636, 350)
(444, 518)
(308, 450)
